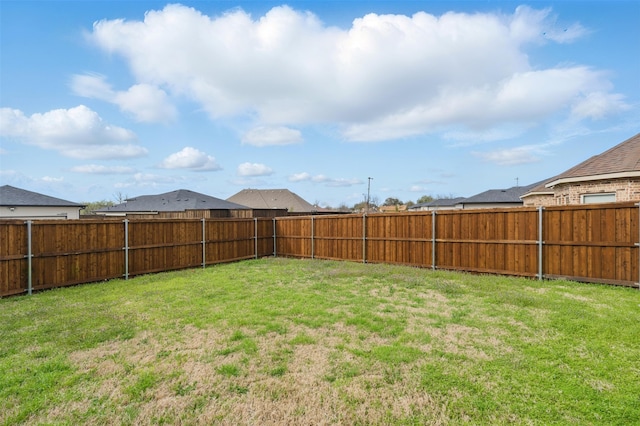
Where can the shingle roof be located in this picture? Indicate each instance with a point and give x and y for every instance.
(540, 189)
(12, 196)
(509, 195)
(174, 201)
(441, 202)
(272, 199)
(623, 158)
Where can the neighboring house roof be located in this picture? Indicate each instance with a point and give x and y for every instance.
(621, 161)
(539, 189)
(12, 196)
(272, 199)
(441, 202)
(507, 196)
(174, 201)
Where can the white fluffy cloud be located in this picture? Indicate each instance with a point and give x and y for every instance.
(333, 182)
(597, 105)
(253, 170)
(145, 102)
(76, 132)
(102, 170)
(272, 135)
(299, 177)
(190, 158)
(385, 77)
(514, 156)
(150, 180)
(51, 179)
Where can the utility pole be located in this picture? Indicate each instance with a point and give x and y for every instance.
(369, 193)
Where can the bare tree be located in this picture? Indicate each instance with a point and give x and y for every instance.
(119, 197)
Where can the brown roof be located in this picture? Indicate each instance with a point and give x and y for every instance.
(622, 158)
(540, 188)
(272, 199)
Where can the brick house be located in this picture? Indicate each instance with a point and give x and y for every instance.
(613, 176)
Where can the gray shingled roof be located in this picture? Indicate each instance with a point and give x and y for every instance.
(12, 196)
(509, 195)
(272, 199)
(441, 202)
(174, 201)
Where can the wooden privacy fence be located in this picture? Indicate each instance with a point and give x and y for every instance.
(591, 243)
(38, 255)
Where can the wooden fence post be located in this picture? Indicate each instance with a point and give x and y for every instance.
(126, 249)
(29, 259)
(637, 244)
(204, 243)
(540, 242)
(364, 238)
(274, 238)
(255, 237)
(433, 239)
(312, 223)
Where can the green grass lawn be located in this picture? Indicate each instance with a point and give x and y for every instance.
(284, 341)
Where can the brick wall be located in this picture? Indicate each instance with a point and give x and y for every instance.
(539, 200)
(625, 190)
(570, 193)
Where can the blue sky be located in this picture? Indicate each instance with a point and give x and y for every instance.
(100, 99)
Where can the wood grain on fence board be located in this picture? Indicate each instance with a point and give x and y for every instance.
(592, 242)
(74, 252)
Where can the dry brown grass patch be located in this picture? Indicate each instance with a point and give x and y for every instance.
(467, 341)
(302, 393)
